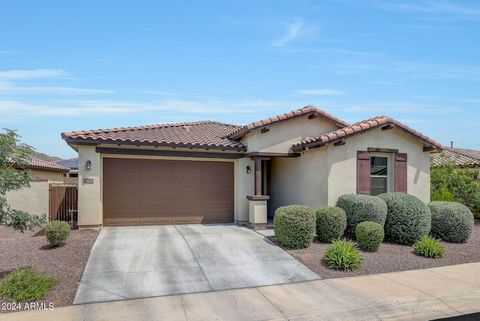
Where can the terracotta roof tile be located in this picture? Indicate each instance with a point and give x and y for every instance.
(358, 128)
(41, 164)
(241, 131)
(202, 134)
(459, 156)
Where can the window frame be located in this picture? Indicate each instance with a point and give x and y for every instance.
(387, 176)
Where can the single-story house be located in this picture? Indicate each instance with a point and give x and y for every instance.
(212, 172)
(35, 199)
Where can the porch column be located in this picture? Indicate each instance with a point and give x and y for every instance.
(257, 204)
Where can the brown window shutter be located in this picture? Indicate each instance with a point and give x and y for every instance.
(363, 172)
(400, 172)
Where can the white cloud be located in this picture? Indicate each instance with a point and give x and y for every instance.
(319, 92)
(295, 30)
(31, 74)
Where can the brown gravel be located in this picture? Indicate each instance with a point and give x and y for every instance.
(65, 263)
(391, 257)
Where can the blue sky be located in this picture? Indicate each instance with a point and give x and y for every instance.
(68, 65)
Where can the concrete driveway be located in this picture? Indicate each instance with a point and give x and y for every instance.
(138, 262)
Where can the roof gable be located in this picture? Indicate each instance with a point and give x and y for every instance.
(308, 110)
(360, 127)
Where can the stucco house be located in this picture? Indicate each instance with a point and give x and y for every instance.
(35, 199)
(211, 172)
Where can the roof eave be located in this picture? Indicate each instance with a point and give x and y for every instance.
(75, 142)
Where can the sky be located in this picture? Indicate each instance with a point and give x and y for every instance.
(73, 65)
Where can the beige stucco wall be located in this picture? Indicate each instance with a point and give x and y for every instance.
(320, 176)
(90, 195)
(33, 200)
(284, 134)
(53, 176)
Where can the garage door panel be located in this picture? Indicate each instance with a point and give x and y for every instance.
(167, 192)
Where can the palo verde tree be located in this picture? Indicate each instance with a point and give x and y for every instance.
(14, 175)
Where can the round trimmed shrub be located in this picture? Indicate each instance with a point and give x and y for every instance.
(294, 226)
(360, 208)
(343, 255)
(451, 222)
(369, 235)
(331, 223)
(408, 218)
(57, 232)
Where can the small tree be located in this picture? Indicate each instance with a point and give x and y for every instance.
(14, 175)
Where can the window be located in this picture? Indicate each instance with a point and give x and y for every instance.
(378, 175)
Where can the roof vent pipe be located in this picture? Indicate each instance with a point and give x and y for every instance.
(451, 144)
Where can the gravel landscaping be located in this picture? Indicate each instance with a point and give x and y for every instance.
(391, 257)
(65, 263)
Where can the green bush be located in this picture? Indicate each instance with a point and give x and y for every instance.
(360, 208)
(331, 223)
(294, 226)
(408, 218)
(462, 185)
(343, 255)
(369, 235)
(429, 247)
(451, 222)
(57, 232)
(26, 285)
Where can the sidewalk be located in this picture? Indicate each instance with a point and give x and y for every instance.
(410, 295)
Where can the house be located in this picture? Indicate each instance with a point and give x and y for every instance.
(460, 157)
(35, 199)
(70, 177)
(211, 172)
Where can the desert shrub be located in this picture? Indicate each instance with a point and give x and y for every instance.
(408, 218)
(429, 247)
(294, 226)
(343, 255)
(331, 223)
(369, 235)
(57, 232)
(451, 222)
(26, 285)
(462, 185)
(360, 208)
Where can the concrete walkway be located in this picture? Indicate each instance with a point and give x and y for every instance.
(145, 261)
(411, 295)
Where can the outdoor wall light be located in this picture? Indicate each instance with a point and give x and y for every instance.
(249, 170)
(88, 165)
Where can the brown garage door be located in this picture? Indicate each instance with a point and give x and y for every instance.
(141, 192)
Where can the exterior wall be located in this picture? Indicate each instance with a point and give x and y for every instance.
(89, 195)
(45, 175)
(320, 176)
(90, 211)
(283, 135)
(33, 200)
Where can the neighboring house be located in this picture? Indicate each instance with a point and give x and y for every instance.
(70, 177)
(35, 199)
(460, 157)
(211, 172)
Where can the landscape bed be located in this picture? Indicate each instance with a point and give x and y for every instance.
(390, 257)
(65, 263)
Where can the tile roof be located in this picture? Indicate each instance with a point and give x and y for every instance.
(201, 134)
(459, 156)
(308, 110)
(41, 164)
(71, 163)
(358, 128)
